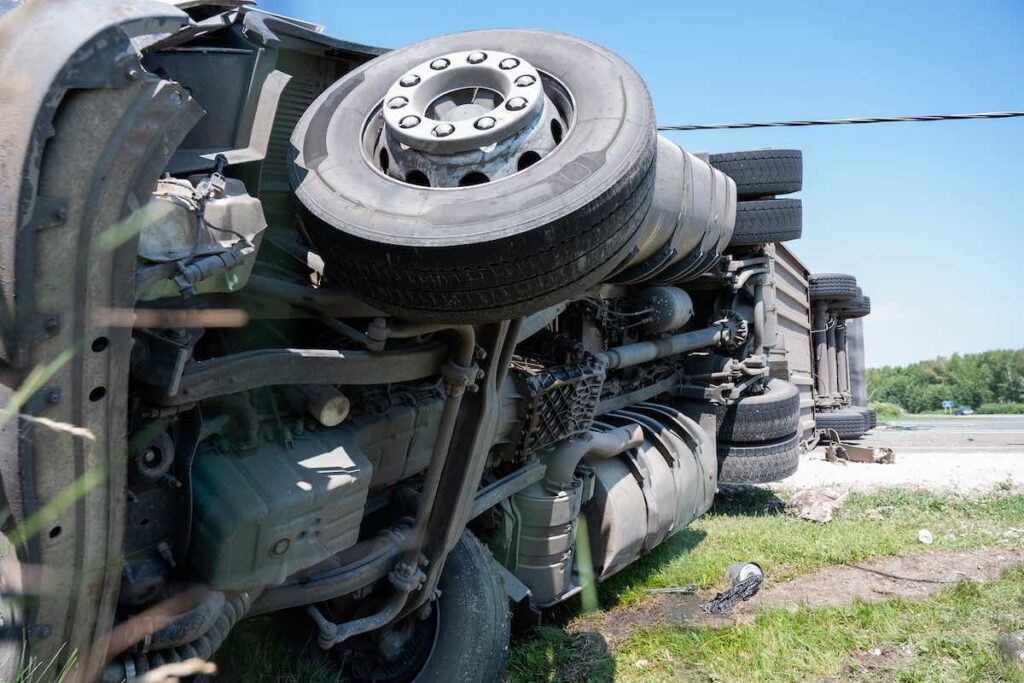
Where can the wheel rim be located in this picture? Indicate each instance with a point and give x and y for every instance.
(466, 118)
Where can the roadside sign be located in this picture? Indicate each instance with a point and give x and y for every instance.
(946, 404)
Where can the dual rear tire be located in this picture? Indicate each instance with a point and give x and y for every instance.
(757, 436)
(846, 423)
(760, 175)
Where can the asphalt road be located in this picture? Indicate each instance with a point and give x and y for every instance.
(964, 454)
(997, 433)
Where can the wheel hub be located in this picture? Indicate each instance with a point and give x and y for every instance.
(466, 118)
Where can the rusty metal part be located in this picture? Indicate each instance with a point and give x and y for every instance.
(838, 451)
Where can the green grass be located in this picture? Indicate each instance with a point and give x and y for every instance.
(1000, 409)
(951, 635)
(278, 648)
(747, 525)
(887, 411)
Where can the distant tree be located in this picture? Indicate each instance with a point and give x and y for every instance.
(973, 379)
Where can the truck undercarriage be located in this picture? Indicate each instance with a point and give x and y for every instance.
(292, 322)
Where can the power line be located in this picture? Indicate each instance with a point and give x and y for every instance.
(839, 122)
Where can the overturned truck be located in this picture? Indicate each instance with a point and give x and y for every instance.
(379, 336)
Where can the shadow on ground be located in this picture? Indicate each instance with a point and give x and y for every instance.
(746, 501)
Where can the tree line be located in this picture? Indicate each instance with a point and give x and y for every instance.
(993, 380)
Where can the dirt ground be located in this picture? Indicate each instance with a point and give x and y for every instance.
(909, 576)
(959, 454)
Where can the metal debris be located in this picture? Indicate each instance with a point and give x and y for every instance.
(840, 452)
(724, 602)
(739, 571)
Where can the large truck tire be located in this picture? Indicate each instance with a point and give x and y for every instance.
(857, 307)
(847, 423)
(764, 417)
(758, 463)
(767, 220)
(473, 618)
(762, 172)
(870, 416)
(464, 638)
(832, 287)
(495, 250)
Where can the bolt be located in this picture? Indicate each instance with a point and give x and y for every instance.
(397, 102)
(164, 549)
(53, 396)
(508, 63)
(60, 213)
(176, 97)
(405, 570)
(281, 546)
(409, 122)
(131, 73)
(516, 103)
(476, 57)
(525, 80)
(439, 64)
(51, 324)
(485, 123)
(409, 80)
(150, 457)
(443, 130)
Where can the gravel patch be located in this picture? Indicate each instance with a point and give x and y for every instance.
(940, 454)
(978, 472)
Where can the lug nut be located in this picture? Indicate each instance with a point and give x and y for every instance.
(409, 122)
(439, 64)
(443, 130)
(525, 80)
(508, 63)
(516, 103)
(485, 123)
(397, 102)
(409, 80)
(476, 57)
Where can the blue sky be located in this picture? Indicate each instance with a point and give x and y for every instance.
(927, 215)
